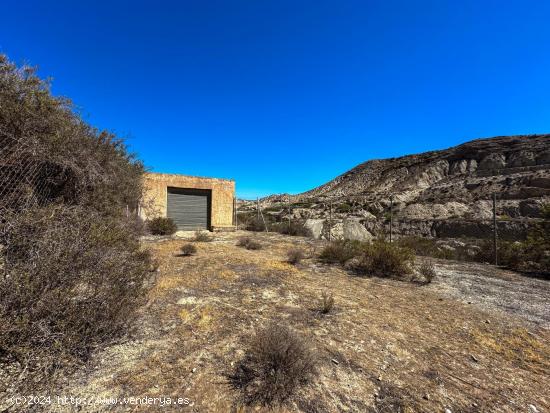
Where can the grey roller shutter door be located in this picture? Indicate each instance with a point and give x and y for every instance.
(189, 211)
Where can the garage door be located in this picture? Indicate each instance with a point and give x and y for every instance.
(189, 208)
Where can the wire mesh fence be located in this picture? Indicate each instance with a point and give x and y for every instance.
(366, 217)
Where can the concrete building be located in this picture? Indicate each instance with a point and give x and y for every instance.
(192, 202)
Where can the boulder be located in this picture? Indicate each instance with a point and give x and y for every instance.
(315, 226)
(354, 230)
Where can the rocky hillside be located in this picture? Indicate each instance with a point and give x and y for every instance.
(455, 182)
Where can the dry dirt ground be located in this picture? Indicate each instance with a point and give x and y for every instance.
(475, 340)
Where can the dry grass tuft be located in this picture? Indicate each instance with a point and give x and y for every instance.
(188, 249)
(202, 236)
(294, 256)
(327, 302)
(249, 243)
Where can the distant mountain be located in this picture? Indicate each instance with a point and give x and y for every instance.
(456, 182)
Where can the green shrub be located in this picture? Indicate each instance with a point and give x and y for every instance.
(340, 251)
(343, 208)
(162, 226)
(510, 254)
(383, 259)
(188, 249)
(274, 209)
(276, 363)
(294, 228)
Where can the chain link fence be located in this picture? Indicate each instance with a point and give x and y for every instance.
(365, 217)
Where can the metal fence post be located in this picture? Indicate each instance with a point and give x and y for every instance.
(330, 223)
(391, 217)
(289, 216)
(235, 212)
(495, 235)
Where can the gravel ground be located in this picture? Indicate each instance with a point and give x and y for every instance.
(495, 289)
(474, 340)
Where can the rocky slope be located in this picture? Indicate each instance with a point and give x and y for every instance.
(451, 184)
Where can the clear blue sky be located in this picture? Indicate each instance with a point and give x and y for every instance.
(284, 95)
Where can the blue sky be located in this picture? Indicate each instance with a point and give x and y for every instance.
(284, 95)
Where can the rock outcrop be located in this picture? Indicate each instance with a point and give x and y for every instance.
(455, 184)
(451, 181)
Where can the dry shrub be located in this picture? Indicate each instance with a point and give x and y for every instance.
(255, 224)
(71, 269)
(327, 302)
(249, 243)
(74, 282)
(427, 269)
(276, 363)
(383, 259)
(162, 226)
(202, 236)
(340, 251)
(429, 247)
(294, 256)
(293, 228)
(188, 249)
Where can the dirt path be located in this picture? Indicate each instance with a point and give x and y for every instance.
(388, 345)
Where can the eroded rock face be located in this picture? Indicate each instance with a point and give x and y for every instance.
(453, 184)
(521, 158)
(493, 161)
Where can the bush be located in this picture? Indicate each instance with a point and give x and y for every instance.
(162, 226)
(83, 293)
(384, 259)
(188, 249)
(510, 254)
(249, 243)
(425, 247)
(327, 302)
(344, 208)
(340, 251)
(294, 228)
(255, 224)
(202, 236)
(72, 272)
(294, 256)
(427, 269)
(276, 363)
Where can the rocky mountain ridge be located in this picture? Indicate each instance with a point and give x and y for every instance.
(453, 183)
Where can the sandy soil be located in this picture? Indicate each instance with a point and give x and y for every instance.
(476, 339)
